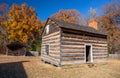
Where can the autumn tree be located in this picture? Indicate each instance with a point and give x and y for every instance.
(23, 24)
(3, 17)
(109, 22)
(70, 16)
(3, 30)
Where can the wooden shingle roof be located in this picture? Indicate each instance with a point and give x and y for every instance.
(77, 27)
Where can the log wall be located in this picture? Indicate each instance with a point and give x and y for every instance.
(68, 46)
(73, 48)
(53, 40)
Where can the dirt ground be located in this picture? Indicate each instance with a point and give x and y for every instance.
(32, 67)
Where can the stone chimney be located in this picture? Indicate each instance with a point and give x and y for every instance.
(93, 23)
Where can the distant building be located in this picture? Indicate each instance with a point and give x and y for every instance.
(65, 43)
(16, 49)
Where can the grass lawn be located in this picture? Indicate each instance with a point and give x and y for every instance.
(32, 67)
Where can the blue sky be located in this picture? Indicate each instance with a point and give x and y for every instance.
(45, 8)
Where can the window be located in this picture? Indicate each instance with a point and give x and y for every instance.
(47, 29)
(47, 49)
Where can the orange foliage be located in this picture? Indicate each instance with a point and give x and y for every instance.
(109, 24)
(23, 24)
(70, 16)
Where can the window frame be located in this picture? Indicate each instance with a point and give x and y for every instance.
(47, 29)
(47, 49)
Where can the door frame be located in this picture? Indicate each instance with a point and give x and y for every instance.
(91, 53)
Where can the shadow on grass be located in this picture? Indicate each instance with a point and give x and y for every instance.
(12, 70)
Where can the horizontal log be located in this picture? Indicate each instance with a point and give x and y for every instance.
(55, 49)
(100, 58)
(71, 47)
(70, 59)
(50, 43)
(94, 49)
(100, 45)
(52, 34)
(52, 38)
(99, 51)
(51, 47)
(43, 44)
(50, 57)
(72, 51)
(99, 48)
(82, 52)
(82, 37)
(71, 39)
(51, 53)
(72, 42)
(46, 40)
(54, 55)
(55, 46)
(100, 54)
(71, 55)
(77, 44)
(57, 53)
(50, 60)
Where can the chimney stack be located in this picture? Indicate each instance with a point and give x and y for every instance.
(93, 23)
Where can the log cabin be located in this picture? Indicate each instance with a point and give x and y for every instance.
(65, 43)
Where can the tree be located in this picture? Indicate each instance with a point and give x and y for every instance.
(109, 21)
(23, 24)
(70, 16)
(92, 13)
(3, 12)
(3, 17)
(3, 30)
